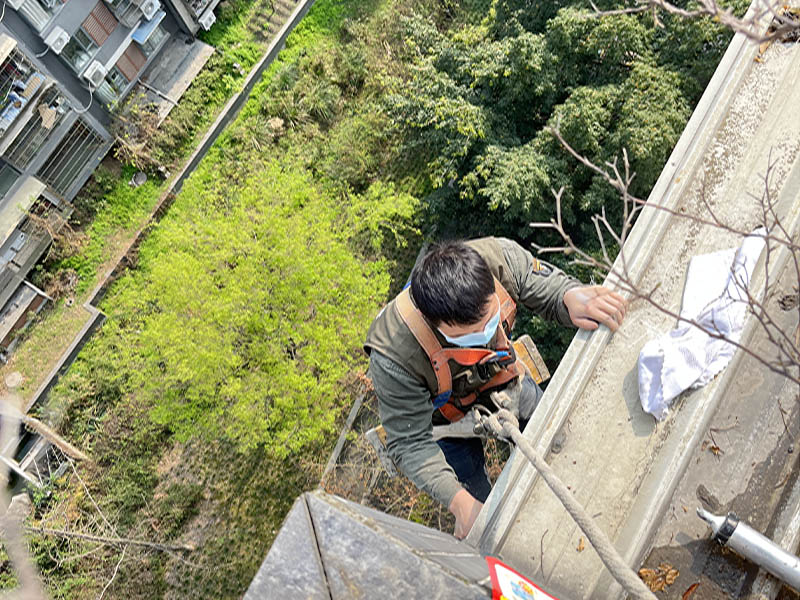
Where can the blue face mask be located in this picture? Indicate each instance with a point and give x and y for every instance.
(479, 338)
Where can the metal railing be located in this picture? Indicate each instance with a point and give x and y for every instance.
(71, 156)
(46, 116)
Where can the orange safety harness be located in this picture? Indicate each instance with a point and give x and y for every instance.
(453, 408)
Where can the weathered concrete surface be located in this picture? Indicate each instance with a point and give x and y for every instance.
(620, 463)
(747, 463)
(167, 79)
(331, 548)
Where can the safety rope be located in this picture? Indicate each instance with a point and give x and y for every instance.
(504, 423)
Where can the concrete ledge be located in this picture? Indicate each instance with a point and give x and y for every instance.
(586, 348)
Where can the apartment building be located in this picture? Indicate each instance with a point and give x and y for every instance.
(64, 64)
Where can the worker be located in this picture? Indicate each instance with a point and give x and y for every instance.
(442, 344)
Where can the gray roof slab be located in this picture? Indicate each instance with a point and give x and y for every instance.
(330, 548)
(293, 568)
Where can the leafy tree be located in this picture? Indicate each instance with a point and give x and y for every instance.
(244, 317)
(477, 97)
(587, 51)
(651, 119)
(516, 79)
(446, 118)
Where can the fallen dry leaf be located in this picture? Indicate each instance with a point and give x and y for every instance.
(658, 579)
(713, 448)
(689, 591)
(581, 545)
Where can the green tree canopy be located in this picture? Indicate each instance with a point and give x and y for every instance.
(477, 97)
(248, 309)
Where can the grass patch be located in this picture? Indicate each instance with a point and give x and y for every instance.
(43, 344)
(220, 79)
(109, 211)
(119, 214)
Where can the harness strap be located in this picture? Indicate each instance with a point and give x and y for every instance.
(452, 410)
(440, 357)
(426, 338)
(508, 308)
(456, 409)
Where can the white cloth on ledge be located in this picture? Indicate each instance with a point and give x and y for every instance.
(715, 297)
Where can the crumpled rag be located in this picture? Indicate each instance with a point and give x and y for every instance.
(715, 297)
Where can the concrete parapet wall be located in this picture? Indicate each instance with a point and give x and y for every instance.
(622, 465)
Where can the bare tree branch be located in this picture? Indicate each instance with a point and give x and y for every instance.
(111, 541)
(785, 21)
(114, 574)
(785, 344)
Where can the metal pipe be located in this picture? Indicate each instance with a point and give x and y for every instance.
(749, 543)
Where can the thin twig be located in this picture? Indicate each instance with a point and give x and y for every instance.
(88, 493)
(780, 339)
(108, 540)
(114, 574)
(751, 27)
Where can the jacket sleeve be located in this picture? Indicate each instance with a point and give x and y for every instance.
(540, 285)
(405, 410)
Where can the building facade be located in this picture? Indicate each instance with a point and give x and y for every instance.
(64, 65)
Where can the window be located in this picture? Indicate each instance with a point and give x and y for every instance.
(8, 176)
(19, 84)
(153, 41)
(117, 80)
(93, 33)
(15, 68)
(113, 86)
(45, 118)
(79, 50)
(126, 11)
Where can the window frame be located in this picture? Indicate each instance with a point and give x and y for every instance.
(81, 47)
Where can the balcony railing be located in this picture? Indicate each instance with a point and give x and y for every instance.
(39, 12)
(127, 12)
(19, 85)
(47, 114)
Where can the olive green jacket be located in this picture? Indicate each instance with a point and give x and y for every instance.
(404, 393)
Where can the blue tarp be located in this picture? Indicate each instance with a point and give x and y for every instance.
(145, 29)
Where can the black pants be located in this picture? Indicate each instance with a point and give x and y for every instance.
(466, 456)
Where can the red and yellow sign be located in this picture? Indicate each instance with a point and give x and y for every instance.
(507, 584)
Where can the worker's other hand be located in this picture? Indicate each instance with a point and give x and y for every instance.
(465, 508)
(593, 305)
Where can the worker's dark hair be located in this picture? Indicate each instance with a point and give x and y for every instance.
(452, 284)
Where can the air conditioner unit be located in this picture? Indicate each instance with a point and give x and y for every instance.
(57, 39)
(15, 4)
(95, 73)
(207, 19)
(149, 8)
